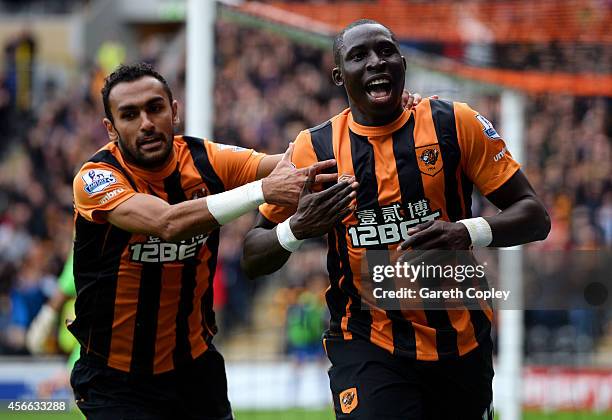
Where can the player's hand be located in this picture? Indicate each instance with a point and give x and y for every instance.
(285, 183)
(410, 100)
(318, 212)
(437, 234)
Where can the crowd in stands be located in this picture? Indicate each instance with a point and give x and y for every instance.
(267, 89)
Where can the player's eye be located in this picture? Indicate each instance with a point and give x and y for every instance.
(130, 115)
(156, 108)
(387, 51)
(358, 56)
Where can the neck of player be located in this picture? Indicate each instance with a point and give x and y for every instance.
(374, 120)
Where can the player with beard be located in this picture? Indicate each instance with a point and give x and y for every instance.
(415, 170)
(148, 207)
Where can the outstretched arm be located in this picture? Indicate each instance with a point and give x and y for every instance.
(144, 213)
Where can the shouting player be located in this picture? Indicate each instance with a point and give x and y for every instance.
(416, 167)
(148, 207)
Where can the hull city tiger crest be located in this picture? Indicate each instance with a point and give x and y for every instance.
(348, 400)
(429, 159)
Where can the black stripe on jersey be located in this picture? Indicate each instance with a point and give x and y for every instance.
(337, 260)
(336, 300)
(107, 157)
(208, 314)
(443, 115)
(364, 163)
(360, 321)
(97, 256)
(145, 328)
(214, 183)
(172, 187)
(467, 186)
(182, 350)
(412, 190)
(323, 145)
(200, 158)
(322, 140)
(411, 185)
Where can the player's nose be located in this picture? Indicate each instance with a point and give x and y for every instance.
(374, 61)
(146, 124)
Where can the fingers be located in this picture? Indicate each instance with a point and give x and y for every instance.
(434, 97)
(344, 203)
(407, 99)
(310, 179)
(288, 153)
(336, 189)
(325, 164)
(418, 235)
(420, 227)
(323, 178)
(417, 99)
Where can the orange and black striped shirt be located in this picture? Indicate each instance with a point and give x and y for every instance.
(144, 305)
(420, 167)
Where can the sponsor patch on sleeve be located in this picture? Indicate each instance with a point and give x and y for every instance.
(233, 148)
(97, 180)
(488, 128)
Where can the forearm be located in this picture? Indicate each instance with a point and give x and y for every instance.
(150, 215)
(262, 252)
(524, 221)
(187, 219)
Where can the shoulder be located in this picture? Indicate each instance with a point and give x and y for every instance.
(326, 125)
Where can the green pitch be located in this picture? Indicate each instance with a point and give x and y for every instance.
(297, 414)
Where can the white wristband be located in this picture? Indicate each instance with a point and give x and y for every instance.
(479, 230)
(286, 237)
(230, 205)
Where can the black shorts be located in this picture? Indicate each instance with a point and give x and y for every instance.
(196, 391)
(369, 383)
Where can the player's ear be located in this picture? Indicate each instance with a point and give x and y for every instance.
(404, 61)
(110, 130)
(337, 76)
(175, 116)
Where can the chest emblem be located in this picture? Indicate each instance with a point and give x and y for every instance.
(429, 159)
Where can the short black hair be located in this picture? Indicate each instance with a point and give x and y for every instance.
(129, 73)
(339, 38)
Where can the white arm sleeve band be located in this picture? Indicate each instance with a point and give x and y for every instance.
(479, 230)
(286, 238)
(230, 205)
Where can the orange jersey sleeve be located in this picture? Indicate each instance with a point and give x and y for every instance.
(303, 156)
(99, 188)
(484, 156)
(235, 165)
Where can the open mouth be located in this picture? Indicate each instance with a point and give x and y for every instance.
(379, 89)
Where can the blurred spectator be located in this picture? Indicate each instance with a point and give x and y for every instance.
(306, 319)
